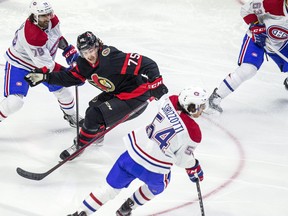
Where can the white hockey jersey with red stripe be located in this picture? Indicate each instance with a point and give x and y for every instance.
(274, 14)
(33, 47)
(170, 139)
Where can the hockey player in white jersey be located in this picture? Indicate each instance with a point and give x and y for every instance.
(169, 140)
(34, 46)
(268, 23)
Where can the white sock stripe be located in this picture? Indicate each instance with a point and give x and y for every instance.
(94, 203)
(143, 194)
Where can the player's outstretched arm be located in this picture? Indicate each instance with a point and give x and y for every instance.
(37, 76)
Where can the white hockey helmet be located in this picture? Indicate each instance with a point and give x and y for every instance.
(40, 7)
(192, 98)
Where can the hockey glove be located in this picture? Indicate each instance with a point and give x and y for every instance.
(37, 76)
(71, 54)
(286, 83)
(258, 32)
(195, 173)
(157, 88)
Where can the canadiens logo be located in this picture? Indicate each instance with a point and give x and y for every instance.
(277, 33)
(18, 83)
(106, 52)
(102, 83)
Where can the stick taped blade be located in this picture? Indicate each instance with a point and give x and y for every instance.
(30, 175)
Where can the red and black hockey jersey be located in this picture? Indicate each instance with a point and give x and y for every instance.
(116, 72)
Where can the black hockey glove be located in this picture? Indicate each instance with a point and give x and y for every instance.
(37, 76)
(157, 88)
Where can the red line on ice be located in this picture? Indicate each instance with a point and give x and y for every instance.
(236, 173)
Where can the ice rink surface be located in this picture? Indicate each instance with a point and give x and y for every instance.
(243, 152)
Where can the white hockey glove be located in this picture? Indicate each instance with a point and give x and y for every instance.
(37, 76)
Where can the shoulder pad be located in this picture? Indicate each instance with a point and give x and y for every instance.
(192, 127)
(34, 35)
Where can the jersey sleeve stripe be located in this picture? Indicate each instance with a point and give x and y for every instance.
(77, 75)
(135, 93)
(53, 50)
(125, 65)
(138, 66)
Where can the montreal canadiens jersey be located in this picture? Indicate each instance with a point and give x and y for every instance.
(33, 47)
(170, 139)
(273, 13)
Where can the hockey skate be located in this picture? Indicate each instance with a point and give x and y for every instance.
(82, 213)
(214, 102)
(71, 150)
(73, 121)
(286, 83)
(125, 209)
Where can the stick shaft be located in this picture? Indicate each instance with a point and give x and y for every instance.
(200, 198)
(40, 176)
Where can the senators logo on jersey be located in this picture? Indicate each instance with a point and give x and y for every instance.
(102, 83)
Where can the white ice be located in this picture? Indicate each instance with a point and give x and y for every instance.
(243, 152)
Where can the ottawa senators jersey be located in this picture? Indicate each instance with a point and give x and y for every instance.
(115, 72)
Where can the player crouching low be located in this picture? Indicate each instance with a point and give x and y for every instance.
(170, 139)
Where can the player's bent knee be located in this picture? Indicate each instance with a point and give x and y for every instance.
(11, 104)
(93, 118)
(246, 71)
(63, 93)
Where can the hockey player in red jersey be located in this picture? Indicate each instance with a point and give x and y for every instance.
(35, 45)
(126, 79)
(169, 140)
(266, 19)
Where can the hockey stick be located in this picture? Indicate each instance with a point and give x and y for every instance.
(77, 113)
(269, 46)
(40, 176)
(200, 198)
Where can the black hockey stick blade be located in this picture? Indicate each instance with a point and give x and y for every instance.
(40, 176)
(30, 175)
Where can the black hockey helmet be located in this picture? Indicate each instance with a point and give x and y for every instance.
(86, 41)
